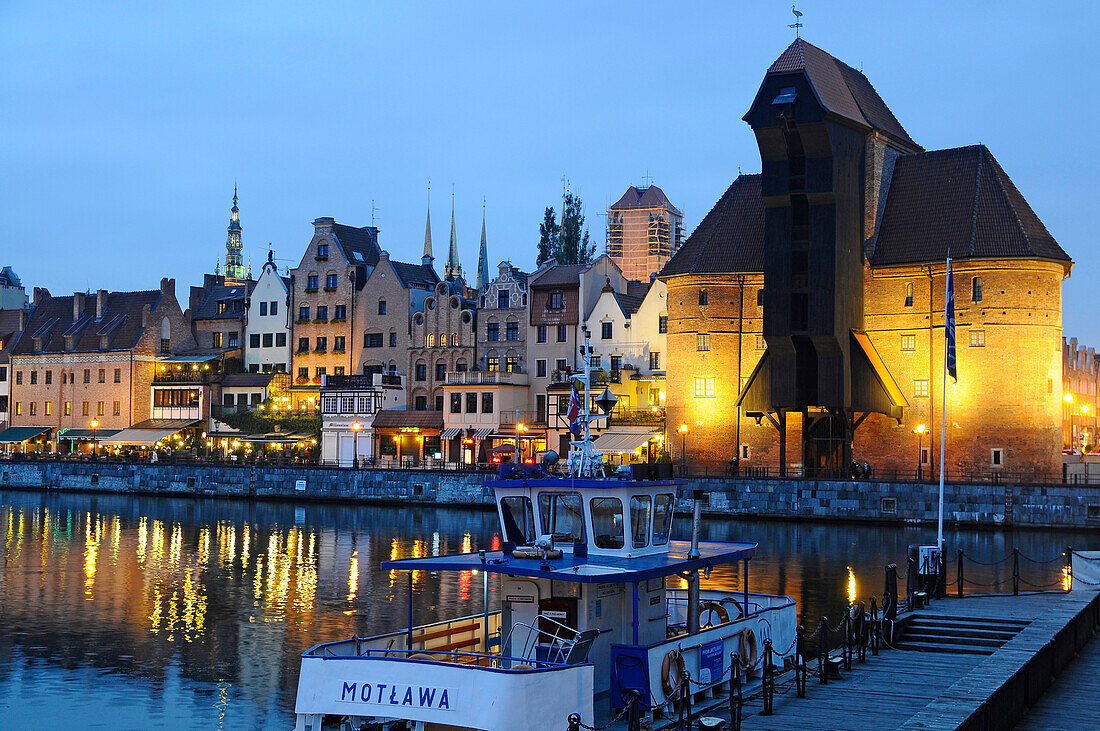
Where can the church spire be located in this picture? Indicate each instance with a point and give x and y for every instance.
(234, 261)
(452, 269)
(428, 258)
(483, 255)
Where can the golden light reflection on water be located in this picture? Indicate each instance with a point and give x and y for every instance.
(353, 575)
(852, 596)
(91, 556)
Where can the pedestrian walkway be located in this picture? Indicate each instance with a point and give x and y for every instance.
(1070, 703)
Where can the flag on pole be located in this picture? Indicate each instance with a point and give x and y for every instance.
(574, 411)
(949, 322)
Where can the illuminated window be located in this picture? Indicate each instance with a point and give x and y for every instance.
(84, 409)
(761, 344)
(429, 340)
(920, 388)
(704, 387)
(49, 408)
(99, 411)
(654, 360)
(68, 408)
(454, 340)
(909, 295)
(908, 342)
(702, 341)
(118, 408)
(977, 338)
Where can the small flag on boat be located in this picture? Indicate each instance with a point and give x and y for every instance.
(949, 324)
(574, 411)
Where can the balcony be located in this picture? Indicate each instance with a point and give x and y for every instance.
(509, 419)
(480, 378)
(637, 417)
(187, 373)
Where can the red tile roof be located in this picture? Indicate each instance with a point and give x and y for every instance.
(730, 238)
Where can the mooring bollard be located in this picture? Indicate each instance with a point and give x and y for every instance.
(959, 576)
(736, 697)
(1015, 572)
(574, 722)
(633, 712)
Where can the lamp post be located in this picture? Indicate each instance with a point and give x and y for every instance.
(919, 431)
(355, 427)
(520, 427)
(683, 448)
(95, 426)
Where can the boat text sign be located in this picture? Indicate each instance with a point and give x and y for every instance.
(710, 662)
(396, 694)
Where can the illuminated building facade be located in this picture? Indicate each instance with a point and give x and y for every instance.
(810, 299)
(1080, 381)
(644, 230)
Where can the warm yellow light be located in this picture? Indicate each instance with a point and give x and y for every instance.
(683, 428)
(921, 429)
(1068, 398)
(356, 426)
(851, 586)
(521, 427)
(95, 423)
(1084, 408)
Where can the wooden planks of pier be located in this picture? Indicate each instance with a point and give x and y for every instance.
(945, 690)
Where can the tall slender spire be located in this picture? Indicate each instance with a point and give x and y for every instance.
(452, 269)
(483, 255)
(427, 259)
(234, 261)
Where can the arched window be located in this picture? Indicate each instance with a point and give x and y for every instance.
(429, 342)
(909, 295)
(443, 340)
(454, 340)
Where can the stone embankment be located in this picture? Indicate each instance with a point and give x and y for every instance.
(862, 500)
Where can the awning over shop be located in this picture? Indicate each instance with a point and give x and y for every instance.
(196, 358)
(150, 431)
(618, 442)
(450, 433)
(275, 438)
(482, 433)
(399, 419)
(17, 434)
(87, 434)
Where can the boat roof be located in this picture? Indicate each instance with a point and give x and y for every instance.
(561, 483)
(587, 569)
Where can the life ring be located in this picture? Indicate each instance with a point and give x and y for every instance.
(748, 649)
(672, 670)
(536, 553)
(421, 656)
(712, 608)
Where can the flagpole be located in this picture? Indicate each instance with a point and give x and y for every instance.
(943, 411)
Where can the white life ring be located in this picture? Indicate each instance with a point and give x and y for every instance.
(749, 650)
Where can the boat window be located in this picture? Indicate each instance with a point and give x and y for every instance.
(639, 520)
(562, 515)
(662, 518)
(607, 521)
(519, 520)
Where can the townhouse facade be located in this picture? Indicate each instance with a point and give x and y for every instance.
(267, 322)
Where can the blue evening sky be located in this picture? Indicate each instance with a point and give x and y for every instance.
(124, 125)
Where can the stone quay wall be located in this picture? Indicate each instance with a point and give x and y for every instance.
(864, 500)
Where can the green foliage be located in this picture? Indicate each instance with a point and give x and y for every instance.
(549, 231)
(664, 455)
(264, 422)
(567, 242)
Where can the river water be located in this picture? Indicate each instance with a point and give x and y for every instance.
(142, 612)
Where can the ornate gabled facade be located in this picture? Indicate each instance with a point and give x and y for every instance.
(444, 339)
(810, 299)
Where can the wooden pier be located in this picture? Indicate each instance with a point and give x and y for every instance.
(954, 689)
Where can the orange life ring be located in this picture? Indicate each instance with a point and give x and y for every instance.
(748, 649)
(672, 669)
(713, 607)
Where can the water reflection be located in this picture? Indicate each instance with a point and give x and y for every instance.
(191, 613)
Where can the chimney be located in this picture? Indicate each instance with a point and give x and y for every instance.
(41, 294)
(100, 303)
(323, 225)
(78, 305)
(168, 286)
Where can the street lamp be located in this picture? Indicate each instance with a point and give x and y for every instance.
(355, 427)
(683, 448)
(919, 431)
(520, 427)
(95, 425)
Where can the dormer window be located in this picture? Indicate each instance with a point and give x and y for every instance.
(38, 343)
(221, 308)
(555, 302)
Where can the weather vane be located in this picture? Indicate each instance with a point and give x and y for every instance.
(797, 20)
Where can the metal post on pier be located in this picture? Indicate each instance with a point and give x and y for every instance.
(736, 693)
(959, 580)
(823, 652)
(875, 627)
(1015, 572)
(409, 633)
(574, 722)
(800, 661)
(768, 680)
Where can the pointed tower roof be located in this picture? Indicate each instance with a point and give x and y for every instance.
(483, 255)
(428, 257)
(453, 268)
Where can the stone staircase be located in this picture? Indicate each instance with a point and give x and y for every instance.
(964, 635)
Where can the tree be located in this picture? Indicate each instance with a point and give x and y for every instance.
(574, 246)
(549, 232)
